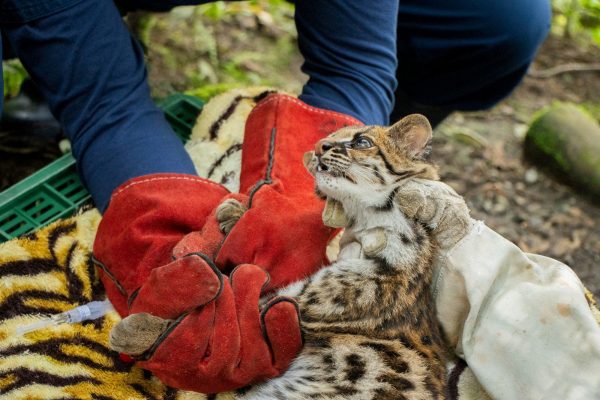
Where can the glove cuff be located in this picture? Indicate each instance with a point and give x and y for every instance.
(147, 216)
(164, 181)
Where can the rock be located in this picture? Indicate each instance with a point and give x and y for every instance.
(498, 158)
(531, 176)
(520, 130)
(566, 140)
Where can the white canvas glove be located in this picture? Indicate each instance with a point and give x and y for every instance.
(521, 321)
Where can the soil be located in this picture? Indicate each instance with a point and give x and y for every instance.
(479, 154)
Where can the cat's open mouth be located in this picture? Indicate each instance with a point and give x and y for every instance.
(322, 167)
(333, 171)
(326, 169)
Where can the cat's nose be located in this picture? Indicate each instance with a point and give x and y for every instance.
(322, 146)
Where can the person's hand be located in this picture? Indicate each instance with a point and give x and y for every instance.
(496, 302)
(146, 218)
(187, 323)
(225, 343)
(279, 225)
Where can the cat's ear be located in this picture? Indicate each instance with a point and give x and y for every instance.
(412, 133)
(310, 162)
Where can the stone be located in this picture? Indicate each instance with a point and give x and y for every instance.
(566, 141)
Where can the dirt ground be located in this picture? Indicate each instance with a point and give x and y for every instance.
(479, 154)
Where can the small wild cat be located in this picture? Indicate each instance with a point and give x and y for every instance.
(368, 320)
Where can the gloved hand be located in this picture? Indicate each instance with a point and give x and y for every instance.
(146, 218)
(216, 336)
(521, 321)
(282, 229)
(439, 207)
(226, 344)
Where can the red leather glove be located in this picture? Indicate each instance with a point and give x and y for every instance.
(220, 339)
(229, 342)
(282, 231)
(146, 218)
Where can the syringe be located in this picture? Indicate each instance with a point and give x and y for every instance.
(89, 311)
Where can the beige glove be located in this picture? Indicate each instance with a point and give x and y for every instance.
(439, 207)
(521, 321)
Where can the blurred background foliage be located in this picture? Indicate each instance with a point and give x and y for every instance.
(13, 74)
(207, 49)
(578, 19)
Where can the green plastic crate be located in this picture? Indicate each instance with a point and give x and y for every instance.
(55, 191)
(181, 111)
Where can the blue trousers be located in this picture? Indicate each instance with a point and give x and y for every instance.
(359, 55)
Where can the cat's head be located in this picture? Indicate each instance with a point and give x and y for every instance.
(364, 162)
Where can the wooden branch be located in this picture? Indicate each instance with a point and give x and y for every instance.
(562, 69)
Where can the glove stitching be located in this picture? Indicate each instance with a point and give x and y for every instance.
(268, 179)
(163, 178)
(214, 268)
(110, 275)
(150, 352)
(264, 285)
(270, 99)
(264, 311)
(133, 296)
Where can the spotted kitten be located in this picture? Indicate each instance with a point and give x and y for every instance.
(369, 319)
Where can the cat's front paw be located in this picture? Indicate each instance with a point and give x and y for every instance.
(374, 241)
(137, 333)
(334, 215)
(229, 213)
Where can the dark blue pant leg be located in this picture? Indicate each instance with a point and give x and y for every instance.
(349, 51)
(451, 55)
(92, 73)
(466, 54)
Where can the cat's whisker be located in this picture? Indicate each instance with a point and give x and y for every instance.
(363, 175)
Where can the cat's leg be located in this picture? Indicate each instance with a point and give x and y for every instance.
(348, 367)
(229, 213)
(137, 333)
(351, 288)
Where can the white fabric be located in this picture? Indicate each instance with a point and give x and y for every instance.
(521, 321)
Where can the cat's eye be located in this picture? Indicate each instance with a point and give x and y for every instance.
(362, 143)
